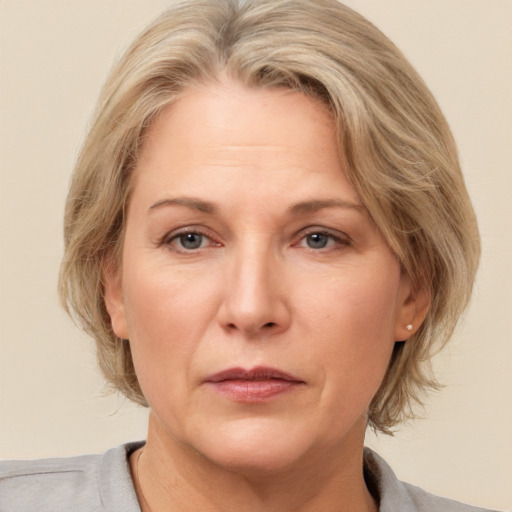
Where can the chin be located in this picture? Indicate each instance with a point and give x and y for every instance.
(259, 447)
(253, 446)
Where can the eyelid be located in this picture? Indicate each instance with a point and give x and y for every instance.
(169, 237)
(339, 236)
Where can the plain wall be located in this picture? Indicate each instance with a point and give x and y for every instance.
(54, 57)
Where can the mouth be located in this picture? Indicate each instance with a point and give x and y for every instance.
(258, 384)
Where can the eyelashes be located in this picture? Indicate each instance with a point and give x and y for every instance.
(189, 240)
(317, 239)
(193, 240)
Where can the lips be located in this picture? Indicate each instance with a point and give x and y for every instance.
(258, 384)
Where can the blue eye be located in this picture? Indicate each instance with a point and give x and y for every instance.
(190, 241)
(317, 240)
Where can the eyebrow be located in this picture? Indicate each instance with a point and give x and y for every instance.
(304, 207)
(315, 205)
(189, 202)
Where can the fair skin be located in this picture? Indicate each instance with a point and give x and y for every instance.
(246, 247)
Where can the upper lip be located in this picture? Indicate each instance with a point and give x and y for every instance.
(257, 373)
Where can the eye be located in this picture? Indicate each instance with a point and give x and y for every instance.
(318, 240)
(188, 241)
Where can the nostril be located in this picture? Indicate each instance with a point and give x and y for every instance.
(232, 326)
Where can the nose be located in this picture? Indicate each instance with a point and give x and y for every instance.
(256, 298)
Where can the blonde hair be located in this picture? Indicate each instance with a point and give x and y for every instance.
(398, 150)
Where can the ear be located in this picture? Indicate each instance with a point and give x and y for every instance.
(114, 299)
(412, 309)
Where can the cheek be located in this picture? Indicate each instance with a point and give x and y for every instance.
(356, 318)
(360, 306)
(167, 315)
(161, 299)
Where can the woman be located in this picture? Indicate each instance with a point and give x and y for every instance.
(266, 232)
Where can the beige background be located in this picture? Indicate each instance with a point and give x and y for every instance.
(54, 57)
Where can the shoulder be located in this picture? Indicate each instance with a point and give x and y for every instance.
(49, 484)
(397, 496)
(424, 501)
(87, 483)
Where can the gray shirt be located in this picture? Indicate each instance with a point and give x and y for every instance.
(94, 483)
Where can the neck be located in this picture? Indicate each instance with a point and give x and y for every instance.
(173, 477)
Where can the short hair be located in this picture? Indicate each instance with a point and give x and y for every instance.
(397, 149)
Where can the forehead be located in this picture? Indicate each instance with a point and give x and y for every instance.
(230, 117)
(229, 137)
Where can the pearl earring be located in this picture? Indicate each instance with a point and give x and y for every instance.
(409, 327)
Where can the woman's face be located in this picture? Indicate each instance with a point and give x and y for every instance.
(260, 301)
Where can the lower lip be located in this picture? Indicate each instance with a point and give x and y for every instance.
(254, 390)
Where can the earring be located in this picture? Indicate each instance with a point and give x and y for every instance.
(409, 327)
